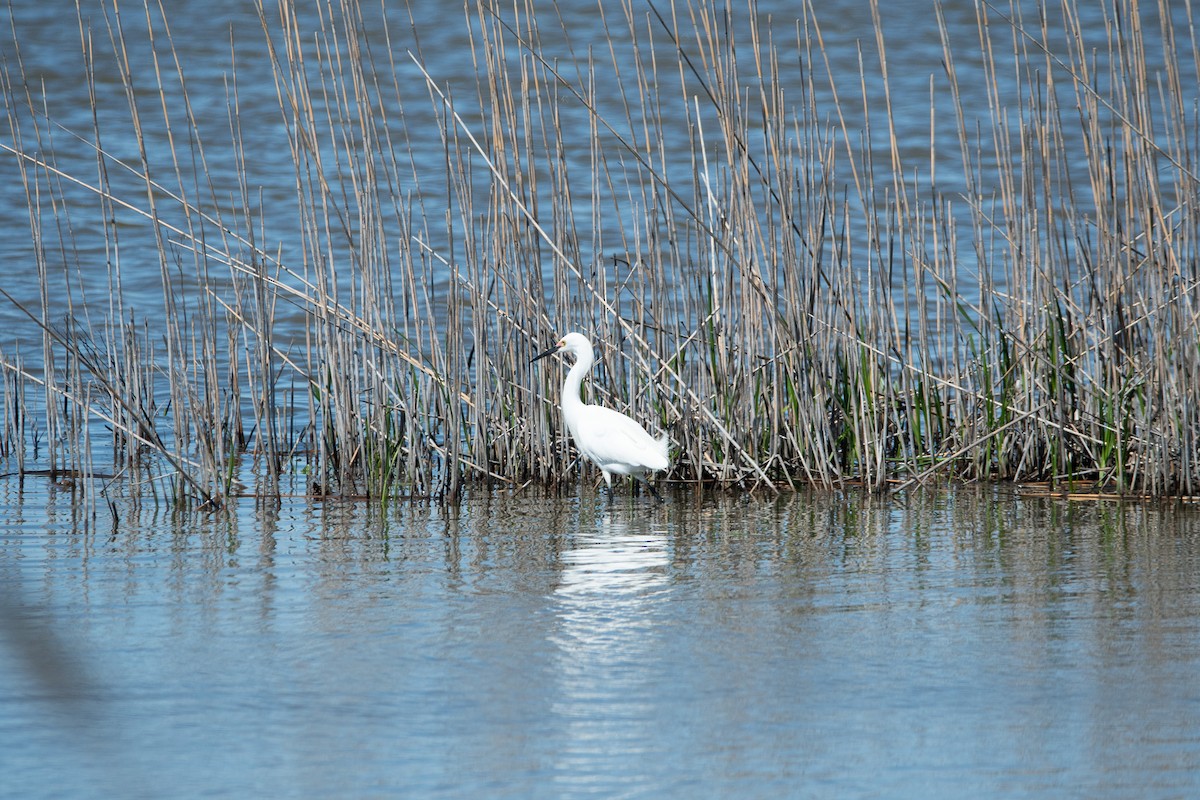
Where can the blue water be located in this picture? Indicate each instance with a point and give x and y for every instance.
(220, 44)
(957, 644)
(967, 643)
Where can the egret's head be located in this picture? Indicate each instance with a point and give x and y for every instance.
(576, 344)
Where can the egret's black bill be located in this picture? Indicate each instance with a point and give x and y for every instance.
(549, 352)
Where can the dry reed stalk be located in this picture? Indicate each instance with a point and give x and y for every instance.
(784, 295)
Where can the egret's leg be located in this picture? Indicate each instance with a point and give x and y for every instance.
(608, 483)
(650, 486)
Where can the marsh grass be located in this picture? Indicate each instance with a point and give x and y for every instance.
(784, 295)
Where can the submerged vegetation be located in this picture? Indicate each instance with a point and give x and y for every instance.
(792, 292)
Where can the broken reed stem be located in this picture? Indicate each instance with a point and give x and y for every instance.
(771, 278)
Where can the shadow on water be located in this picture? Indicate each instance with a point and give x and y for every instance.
(74, 716)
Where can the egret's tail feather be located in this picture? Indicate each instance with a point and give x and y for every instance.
(664, 448)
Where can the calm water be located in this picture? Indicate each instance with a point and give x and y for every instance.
(957, 645)
(208, 34)
(964, 644)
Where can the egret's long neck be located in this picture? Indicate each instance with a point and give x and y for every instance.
(574, 382)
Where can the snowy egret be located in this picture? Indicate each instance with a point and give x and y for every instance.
(611, 440)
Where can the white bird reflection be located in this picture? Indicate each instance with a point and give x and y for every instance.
(619, 563)
(612, 596)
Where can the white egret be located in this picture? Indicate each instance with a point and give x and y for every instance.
(608, 438)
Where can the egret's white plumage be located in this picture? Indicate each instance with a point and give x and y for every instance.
(607, 438)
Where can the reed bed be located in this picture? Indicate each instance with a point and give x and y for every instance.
(793, 293)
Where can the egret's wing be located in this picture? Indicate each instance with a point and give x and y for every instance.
(609, 437)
